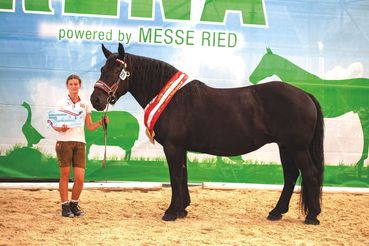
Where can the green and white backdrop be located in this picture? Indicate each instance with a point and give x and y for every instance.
(320, 46)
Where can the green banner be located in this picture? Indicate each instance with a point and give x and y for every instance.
(321, 48)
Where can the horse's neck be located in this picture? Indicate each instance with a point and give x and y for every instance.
(290, 72)
(148, 78)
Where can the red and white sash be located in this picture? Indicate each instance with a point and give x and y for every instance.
(158, 104)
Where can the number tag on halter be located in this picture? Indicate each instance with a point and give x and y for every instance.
(124, 74)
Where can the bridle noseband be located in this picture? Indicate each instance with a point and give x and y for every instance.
(111, 90)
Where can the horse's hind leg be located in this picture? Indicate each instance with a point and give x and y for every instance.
(310, 186)
(290, 173)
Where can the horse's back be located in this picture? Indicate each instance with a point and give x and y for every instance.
(235, 121)
(211, 120)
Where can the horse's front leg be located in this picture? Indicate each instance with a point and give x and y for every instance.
(186, 193)
(176, 158)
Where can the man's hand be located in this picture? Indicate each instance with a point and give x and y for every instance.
(105, 121)
(63, 128)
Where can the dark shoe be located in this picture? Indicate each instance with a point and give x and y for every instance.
(76, 209)
(66, 212)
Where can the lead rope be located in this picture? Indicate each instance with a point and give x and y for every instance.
(105, 127)
(110, 90)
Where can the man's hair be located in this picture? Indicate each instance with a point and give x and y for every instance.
(73, 76)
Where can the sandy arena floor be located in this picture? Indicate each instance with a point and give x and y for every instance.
(215, 217)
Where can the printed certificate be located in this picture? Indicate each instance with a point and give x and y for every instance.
(71, 118)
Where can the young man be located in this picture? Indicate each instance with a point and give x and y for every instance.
(71, 147)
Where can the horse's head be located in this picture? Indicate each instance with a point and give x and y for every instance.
(264, 68)
(113, 81)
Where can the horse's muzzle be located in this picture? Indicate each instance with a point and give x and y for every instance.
(98, 102)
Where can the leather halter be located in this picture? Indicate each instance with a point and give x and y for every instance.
(111, 90)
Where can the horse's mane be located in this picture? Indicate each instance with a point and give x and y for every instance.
(149, 74)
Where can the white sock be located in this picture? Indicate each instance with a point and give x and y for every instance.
(66, 202)
(75, 201)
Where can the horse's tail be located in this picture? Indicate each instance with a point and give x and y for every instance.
(316, 150)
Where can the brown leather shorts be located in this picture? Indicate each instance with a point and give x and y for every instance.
(71, 152)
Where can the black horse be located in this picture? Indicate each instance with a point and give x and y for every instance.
(224, 122)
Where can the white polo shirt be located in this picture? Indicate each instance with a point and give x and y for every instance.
(78, 133)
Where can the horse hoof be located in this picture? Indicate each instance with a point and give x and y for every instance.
(182, 214)
(169, 217)
(274, 217)
(311, 222)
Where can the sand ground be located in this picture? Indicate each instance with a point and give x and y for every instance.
(216, 217)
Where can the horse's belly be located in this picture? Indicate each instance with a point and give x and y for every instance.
(226, 143)
(224, 151)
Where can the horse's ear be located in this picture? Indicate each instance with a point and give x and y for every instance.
(120, 51)
(106, 52)
(269, 51)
